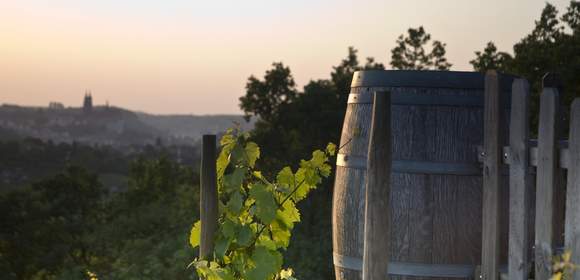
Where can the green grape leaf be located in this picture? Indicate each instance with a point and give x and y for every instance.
(303, 176)
(325, 170)
(287, 274)
(195, 234)
(238, 155)
(222, 163)
(331, 149)
(285, 179)
(318, 158)
(227, 143)
(235, 203)
(253, 153)
(221, 246)
(266, 264)
(228, 228)
(224, 274)
(280, 234)
(267, 242)
(213, 271)
(228, 140)
(219, 273)
(239, 260)
(310, 174)
(245, 236)
(289, 214)
(265, 204)
(234, 180)
(245, 217)
(202, 267)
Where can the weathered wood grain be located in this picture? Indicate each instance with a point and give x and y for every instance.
(378, 191)
(546, 182)
(435, 218)
(572, 231)
(491, 179)
(347, 216)
(349, 190)
(208, 196)
(519, 181)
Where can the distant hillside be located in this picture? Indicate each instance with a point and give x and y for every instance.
(112, 126)
(191, 126)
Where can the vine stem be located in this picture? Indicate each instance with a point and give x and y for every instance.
(292, 192)
(340, 148)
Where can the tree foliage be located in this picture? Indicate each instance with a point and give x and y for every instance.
(553, 46)
(69, 226)
(410, 52)
(264, 98)
(47, 228)
(490, 58)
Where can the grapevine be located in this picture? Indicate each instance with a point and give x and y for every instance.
(256, 214)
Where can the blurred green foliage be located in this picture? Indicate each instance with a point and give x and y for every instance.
(69, 225)
(410, 54)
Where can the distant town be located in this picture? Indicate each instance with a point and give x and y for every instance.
(109, 125)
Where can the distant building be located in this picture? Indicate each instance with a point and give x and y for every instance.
(88, 102)
(55, 106)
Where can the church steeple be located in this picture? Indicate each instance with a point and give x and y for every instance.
(88, 102)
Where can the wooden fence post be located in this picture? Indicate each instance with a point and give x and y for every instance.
(520, 193)
(546, 182)
(378, 191)
(208, 206)
(572, 232)
(491, 177)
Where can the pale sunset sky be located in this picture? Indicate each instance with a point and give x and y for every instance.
(194, 57)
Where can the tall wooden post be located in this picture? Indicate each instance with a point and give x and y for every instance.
(572, 234)
(546, 182)
(378, 191)
(208, 196)
(520, 188)
(491, 177)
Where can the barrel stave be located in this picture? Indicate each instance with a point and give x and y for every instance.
(436, 216)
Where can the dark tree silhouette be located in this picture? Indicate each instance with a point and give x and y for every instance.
(490, 58)
(410, 53)
(552, 46)
(263, 98)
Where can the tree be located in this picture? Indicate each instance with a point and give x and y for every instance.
(263, 98)
(410, 53)
(148, 224)
(490, 58)
(572, 17)
(341, 76)
(47, 229)
(549, 47)
(68, 225)
(548, 28)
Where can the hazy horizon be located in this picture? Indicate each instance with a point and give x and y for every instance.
(188, 57)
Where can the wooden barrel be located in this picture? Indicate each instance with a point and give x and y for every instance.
(436, 214)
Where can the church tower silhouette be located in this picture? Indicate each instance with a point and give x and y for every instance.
(88, 102)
